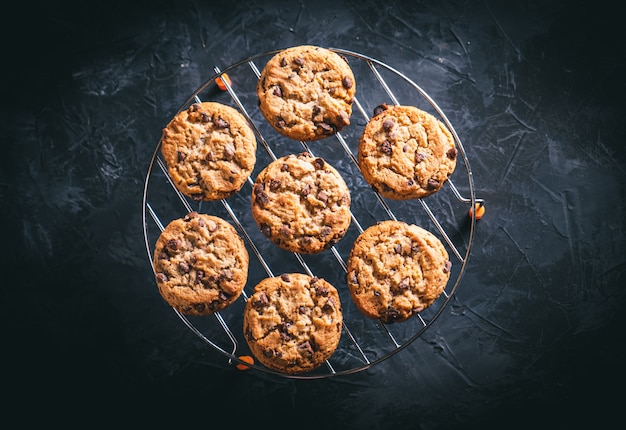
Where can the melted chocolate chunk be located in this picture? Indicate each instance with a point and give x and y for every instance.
(385, 147)
(432, 184)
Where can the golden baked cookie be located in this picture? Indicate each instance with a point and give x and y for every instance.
(201, 264)
(306, 92)
(292, 323)
(406, 153)
(396, 270)
(301, 203)
(210, 151)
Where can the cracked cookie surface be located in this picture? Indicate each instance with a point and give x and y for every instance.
(406, 153)
(301, 203)
(210, 151)
(306, 92)
(292, 323)
(396, 270)
(200, 264)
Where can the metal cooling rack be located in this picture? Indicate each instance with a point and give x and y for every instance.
(364, 342)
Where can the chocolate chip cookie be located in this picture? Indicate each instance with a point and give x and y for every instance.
(301, 203)
(210, 151)
(306, 92)
(292, 323)
(201, 264)
(406, 153)
(396, 270)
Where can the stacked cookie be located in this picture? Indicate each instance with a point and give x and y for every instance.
(301, 203)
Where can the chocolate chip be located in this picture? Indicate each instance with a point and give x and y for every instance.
(260, 301)
(306, 347)
(262, 199)
(191, 215)
(199, 275)
(380, 109)
(226, 275)
(258, 188)
(451, 153)
(284, 167)
(447, 267)
(322, 196)
(284, 277)
(329, 306)
(221, 123)
(181, 156)
(419, 157)
(229, 152)
(388, 124)
(391, 315)
(326, 230)
(280, 123)
(259, 192)
(321, 290)
(277, 91)
(397, 248)
(432, 184)
(283, 327)
(318, 163)
(173, 244)
(161, 277)
(199, 307)
(194, 107)
(283, 62)
(266, 229)
(325, 128)
(404, 284)
(385, 147)
(299, 61)
(306, 190)
(347, 82)
(286, 231)
(211, 226)
(275, 184)
(183, 267)
(204, 117)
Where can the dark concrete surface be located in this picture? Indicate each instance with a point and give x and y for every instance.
(533, 337)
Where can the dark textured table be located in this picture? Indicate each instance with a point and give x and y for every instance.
(534, 335)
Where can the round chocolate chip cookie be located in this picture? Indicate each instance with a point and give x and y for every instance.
(306, 92)
(406, 153)
(210, 151)
(201, 264)
(396, 270)
(292, 323)
(301, 203)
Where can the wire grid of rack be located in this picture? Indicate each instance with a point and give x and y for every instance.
(364, 342)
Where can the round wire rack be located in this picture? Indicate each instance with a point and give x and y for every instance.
(364, 342)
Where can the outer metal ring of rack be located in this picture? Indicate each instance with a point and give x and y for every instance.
(364, 342)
